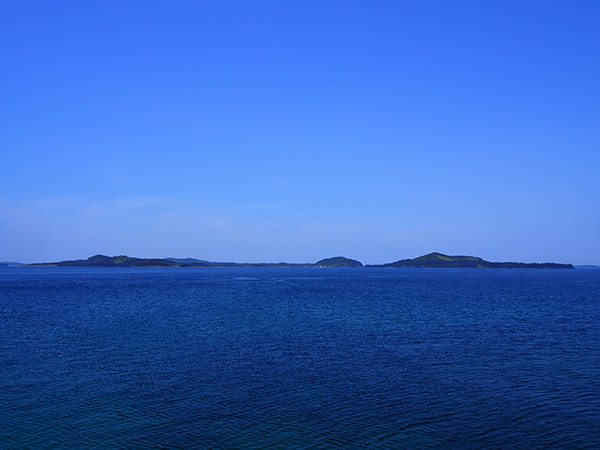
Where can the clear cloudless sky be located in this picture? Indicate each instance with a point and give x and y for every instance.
(293, 131)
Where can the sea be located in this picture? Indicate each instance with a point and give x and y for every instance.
(299, 358)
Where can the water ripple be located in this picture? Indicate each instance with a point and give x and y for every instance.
(292, 359)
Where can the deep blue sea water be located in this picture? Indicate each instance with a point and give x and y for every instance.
(299, 358)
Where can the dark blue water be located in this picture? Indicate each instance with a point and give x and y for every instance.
(299, 358)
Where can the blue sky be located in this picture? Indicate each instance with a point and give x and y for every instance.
(294, 131)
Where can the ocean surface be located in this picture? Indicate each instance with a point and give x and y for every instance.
(299, 358)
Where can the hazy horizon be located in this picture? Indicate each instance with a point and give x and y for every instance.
(296, 131)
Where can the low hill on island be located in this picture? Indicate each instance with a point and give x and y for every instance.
(338, 261)
(439, 260)
(117, 261)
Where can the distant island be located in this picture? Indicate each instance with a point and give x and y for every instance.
(439, 260)
(127, 261)
(10, 264)
(431, 260)
(338, 261)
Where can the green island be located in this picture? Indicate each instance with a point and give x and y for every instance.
(439, 260)
(431, 260)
